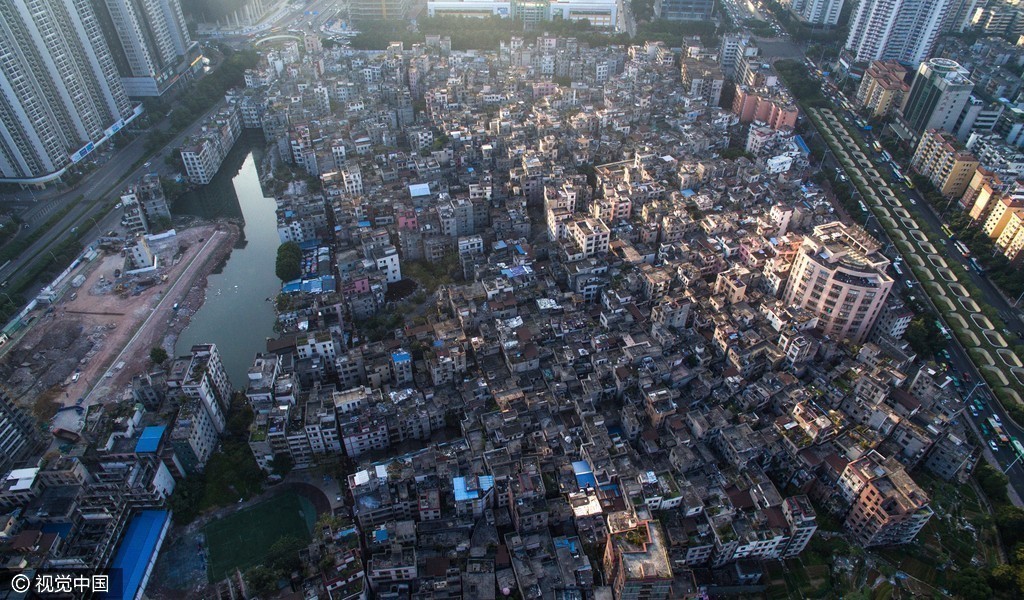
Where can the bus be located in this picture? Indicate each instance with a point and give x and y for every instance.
(997, 429)
(977, 266)
(897, 173)
(886, 156)
(1017, 446)
(906, 180)
(946, 230)
(876, 146)
(963, 249)
(943, 329)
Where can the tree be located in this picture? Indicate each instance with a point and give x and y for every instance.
(970, 585)
(993, 483)
(283, 555)
(262, 581)
(289, 261)
(158, 355)
(282, 464)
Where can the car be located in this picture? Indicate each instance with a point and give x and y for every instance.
(984, 429)
(995, 418)
(148, 164)
(909, 283)
(973, 410)
(912, 201)
(992, 444)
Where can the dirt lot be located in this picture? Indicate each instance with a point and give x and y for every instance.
(102, 337)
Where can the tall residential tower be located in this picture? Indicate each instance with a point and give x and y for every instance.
(901, 30)
(148, 40)
(59, 89)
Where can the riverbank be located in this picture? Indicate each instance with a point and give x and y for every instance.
(203, 249)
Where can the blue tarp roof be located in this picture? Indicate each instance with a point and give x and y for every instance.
(688, 192)
(150, 439)
(380, 535)
(400, 357)
(140, 542)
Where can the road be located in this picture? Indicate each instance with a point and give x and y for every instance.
(962, 369)
(98, 184)
(186, 278)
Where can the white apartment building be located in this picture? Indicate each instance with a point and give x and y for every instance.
(206, 150)
(902, 30)
(62, 94)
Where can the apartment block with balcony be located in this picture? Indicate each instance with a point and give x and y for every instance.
(839, 276)
(940, 158)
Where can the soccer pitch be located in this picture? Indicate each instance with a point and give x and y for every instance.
(243, 540)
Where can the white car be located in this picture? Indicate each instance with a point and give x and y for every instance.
(992, 444)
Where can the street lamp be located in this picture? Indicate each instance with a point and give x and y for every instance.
(1017, 301)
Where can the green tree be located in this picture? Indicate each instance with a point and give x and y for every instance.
(282, 464)
(261, 580)
(158, 355)
(970, 585)
(993, 483)
(289, 261)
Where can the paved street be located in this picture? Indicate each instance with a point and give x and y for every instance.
(911, 243)
(98, 184)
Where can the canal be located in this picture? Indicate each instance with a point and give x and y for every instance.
(236, 315)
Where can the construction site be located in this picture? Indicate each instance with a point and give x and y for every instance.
(83, 347)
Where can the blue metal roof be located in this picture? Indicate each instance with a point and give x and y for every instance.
(461, 493)
(149, 441)
(581, 467)
(140, 542)
(802, 144)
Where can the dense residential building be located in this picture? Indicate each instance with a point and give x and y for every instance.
(205, 151)
(549, 320)
(900, 30)
(17, 434)
(63, 96)
(888, 508)
(839, 275)
(941, 159)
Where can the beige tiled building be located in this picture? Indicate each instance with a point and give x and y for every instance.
(883, 87)
(939, 158)
(839, 275)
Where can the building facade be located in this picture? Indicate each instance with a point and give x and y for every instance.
(938, 94)
(62, 92)
(148, 41)
(839, 275)
(940, 158)
(901, 30)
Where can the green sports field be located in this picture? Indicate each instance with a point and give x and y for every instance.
(242, 540)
